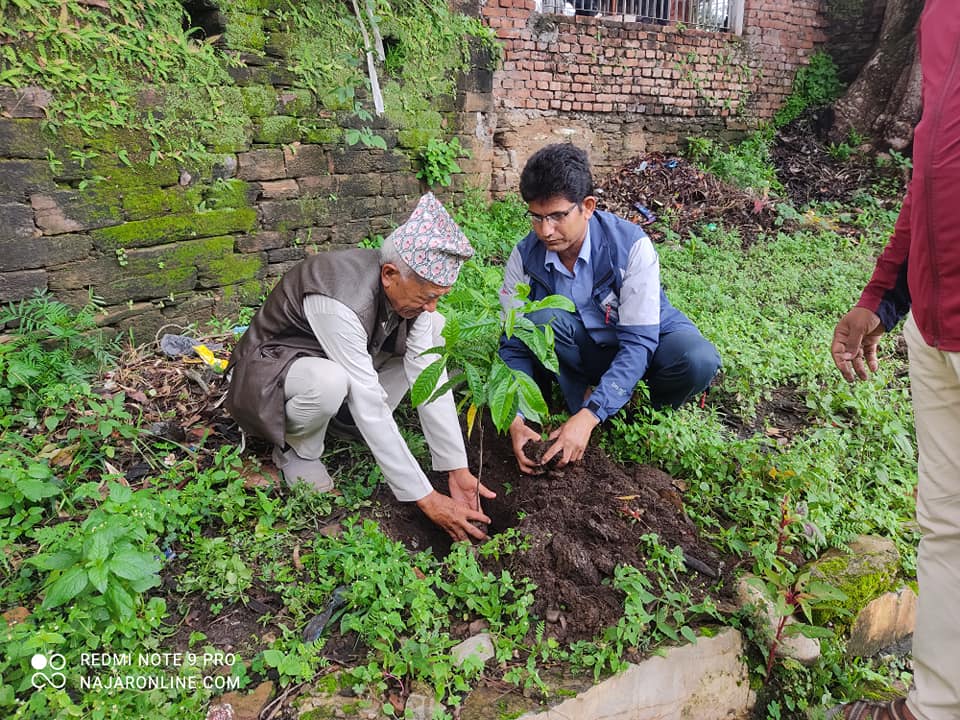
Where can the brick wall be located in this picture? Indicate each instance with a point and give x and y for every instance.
(624, 88)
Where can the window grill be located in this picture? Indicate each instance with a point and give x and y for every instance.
(719, 15)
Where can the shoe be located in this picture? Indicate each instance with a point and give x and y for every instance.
(295, 469)
(342, 425)
(867, 710)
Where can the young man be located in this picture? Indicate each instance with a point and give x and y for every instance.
(623, 329)
(918, 276)
(346, 330)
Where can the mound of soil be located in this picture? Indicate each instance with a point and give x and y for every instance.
(682, 198)
(582, 521)
(809, 171)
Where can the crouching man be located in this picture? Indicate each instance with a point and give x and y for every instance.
(344, 331)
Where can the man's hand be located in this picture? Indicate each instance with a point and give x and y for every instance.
(453, 517)
(572, 438)
(520, 434)
(466, 488)
(855, 340)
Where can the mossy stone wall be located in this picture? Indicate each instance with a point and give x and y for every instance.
(171, 241)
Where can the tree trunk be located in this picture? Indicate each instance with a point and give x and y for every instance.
(883, 102)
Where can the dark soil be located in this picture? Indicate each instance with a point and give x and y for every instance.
(582, 521)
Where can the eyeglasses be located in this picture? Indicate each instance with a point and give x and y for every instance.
(554, 217)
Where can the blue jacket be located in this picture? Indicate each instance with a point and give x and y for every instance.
(626, 289)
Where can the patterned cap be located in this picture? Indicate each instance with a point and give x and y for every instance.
(431, 243)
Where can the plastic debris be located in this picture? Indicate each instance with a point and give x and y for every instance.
(671, 164)
(218, 364)
(648, 216)
(177, 345)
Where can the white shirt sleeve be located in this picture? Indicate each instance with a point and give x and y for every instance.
(344, 340)
(439, 421)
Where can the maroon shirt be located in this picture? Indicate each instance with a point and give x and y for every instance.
(920, 266)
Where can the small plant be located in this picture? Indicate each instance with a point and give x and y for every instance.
(489, 381)
(438, 161)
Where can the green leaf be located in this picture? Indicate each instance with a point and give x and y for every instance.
(99, 577)
(426, 381)
(66, 587)
(476, 384)
(132, 564)
(532, 404)
(56, 561)
(120, 494)
(810, 631)
(119, 601)
(688, 633)
(552, 302)
(502, 389)
(36, 490)
(97, 547)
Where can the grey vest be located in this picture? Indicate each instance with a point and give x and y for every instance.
(280, 333)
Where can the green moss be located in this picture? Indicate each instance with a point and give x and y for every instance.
(259, 100)
(158, 230)
(214, 116)
(141, 204)
(243, 293)
(227, 194)
(245, 32)
(298, 102)
(109, 140)
(323, 135)
(231, 268)
(333, 100)
(847, 574)
(116, 176)
(278, 129)
(416, 138)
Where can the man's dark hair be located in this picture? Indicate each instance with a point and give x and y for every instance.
(560, 169)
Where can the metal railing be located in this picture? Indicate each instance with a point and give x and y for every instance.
(720, 15)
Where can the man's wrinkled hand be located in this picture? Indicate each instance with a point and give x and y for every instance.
(855, 340)
(466, 488)
(572, 438)
(520, 435)
(453, 517)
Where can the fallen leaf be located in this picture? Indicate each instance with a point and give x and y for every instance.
(627, 497)
(296, 557)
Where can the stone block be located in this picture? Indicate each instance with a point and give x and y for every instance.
(21, 284)
(22, 138)
(262, 240)
(706, 680)
(353, 186)
(150, 203)
(65, 211)
(277, 130)
(39, 252)
(296, 101)
(360, 162)
(479, 646)
(285, 254)
(302, 160)
(261, 165)
(318, 185)
(28, 102)
(156, 231)
(16, 221)
(293, 214)
(20, 178)
(884, 621)
(279, 190)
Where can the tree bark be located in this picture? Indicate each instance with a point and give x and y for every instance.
(883, 103)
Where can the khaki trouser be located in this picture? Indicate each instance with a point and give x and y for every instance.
(314, 390)
(935, 386)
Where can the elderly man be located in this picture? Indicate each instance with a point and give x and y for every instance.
(345, 331)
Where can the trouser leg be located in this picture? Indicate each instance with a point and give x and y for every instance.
(314, 389)
(683, 365)
(935, 386)
(581, 360)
